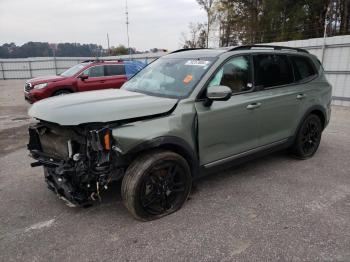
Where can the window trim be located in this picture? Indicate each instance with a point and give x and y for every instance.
(200, 97)
(291, 84)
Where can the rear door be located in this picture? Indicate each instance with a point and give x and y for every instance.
(228, 128)
(305, 72)
(279, 97)
(95, 81)
(115, 75)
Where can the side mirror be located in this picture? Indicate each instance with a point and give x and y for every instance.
(83, 77)
(218, 93)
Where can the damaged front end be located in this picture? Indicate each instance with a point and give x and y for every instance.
(78, 161)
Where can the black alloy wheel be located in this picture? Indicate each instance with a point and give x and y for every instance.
(308, 138)
(156, 184)
(163, 188)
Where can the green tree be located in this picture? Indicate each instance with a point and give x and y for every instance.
(256, 21)
(207, 5)
(119, 50)
(197, 37)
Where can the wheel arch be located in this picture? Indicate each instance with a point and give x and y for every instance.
(316, 110)
(321, 115)
(66, 88)
(319, 111)
(172, 143)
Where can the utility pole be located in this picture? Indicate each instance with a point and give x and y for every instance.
(109, 52)
(127, 26)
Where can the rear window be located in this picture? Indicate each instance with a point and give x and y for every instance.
(272, 70)
(114, 70)
(303, 68)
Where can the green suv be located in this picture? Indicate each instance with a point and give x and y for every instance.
(183, 116)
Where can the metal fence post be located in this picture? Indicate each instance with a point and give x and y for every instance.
(324, 47)
(30, 69)
(2, 70)
(55, 64)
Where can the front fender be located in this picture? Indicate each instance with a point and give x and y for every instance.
(176, 132)
(172, 143)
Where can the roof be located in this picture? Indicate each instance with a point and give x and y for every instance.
(196, 53)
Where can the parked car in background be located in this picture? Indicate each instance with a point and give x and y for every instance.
(86, 76)
(187, 114)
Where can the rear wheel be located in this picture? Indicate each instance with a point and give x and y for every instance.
(156, 184)
(308, 138)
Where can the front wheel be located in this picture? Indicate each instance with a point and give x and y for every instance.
(308, 138)
(62, 92)
(156, 184)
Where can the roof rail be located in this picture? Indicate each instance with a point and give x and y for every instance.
(275, 47)
(92, 61)
(186, 49)
(112, 60)
(102, 60)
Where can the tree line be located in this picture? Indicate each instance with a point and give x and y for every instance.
(44, 49)
(233, 22)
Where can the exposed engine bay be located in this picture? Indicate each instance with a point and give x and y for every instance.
(78, 161)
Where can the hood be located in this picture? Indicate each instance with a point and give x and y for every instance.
(45, 79)
(99, 106)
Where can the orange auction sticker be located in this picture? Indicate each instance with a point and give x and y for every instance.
(188, 79)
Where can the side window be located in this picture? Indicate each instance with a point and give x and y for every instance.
(236, 74)
(302, 68)
(95, 71)
(272, 70)
(114, 70)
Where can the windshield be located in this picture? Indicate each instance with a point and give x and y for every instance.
(73, 70)
(169, 77)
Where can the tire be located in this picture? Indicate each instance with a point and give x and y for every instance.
(62, 92)
(308, 138)
(156, 184)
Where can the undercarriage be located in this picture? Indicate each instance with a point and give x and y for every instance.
(78, 162)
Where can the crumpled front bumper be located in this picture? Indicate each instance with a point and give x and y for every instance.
(65, 190)
(75, 172)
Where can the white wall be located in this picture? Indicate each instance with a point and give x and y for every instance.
(336, 62)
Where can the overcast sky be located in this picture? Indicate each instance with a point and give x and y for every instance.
(153, 23)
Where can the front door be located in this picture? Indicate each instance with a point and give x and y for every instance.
(228, 128)
(96, 79)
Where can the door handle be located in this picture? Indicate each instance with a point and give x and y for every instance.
(300, 96)
(253, 106)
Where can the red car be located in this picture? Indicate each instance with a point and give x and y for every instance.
(86, 76)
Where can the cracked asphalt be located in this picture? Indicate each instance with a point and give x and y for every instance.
(271, 209)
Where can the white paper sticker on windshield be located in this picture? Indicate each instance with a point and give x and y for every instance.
(197, 62)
